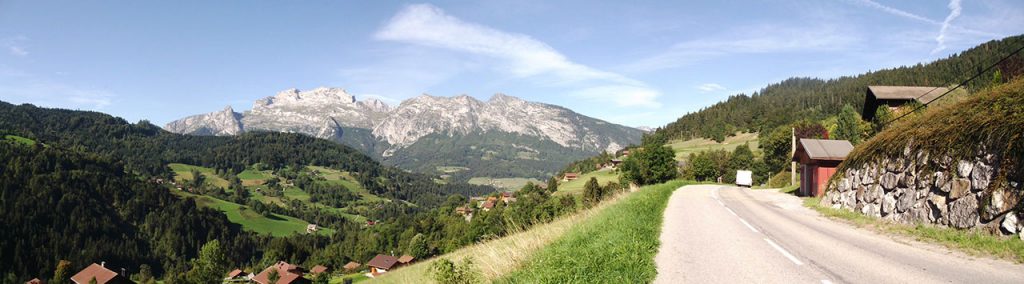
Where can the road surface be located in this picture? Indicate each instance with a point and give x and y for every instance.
(724, 234)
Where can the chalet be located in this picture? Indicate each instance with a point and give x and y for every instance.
(312, 228)
(238, 276)
(508, 197)
(35, 281)
(896, 96)
(100, 274)
(380, 264)
(488, 205)
(318, 269)
(818, 161)
(570, 176)
(351, 266)
(615, 163)
(464, 210)
(370, 223)
(625, 153)
(287, 274)
(405, 259)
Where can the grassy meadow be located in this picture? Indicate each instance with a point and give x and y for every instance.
(684, 148)
(603, 176)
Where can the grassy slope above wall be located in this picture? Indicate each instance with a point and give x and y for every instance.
(992, 119)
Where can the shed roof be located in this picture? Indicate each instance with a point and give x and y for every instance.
(832, 150)
(921, 94)
(383, 261)
(406, 259)
(318, 269)
(352, 265)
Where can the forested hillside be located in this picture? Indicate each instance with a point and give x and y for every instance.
(815, 99)
(145, 149)
(60, 204)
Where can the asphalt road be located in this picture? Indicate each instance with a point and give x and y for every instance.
(724, 234)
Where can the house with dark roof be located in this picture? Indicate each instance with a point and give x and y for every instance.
(380, 264)
(896, 96)
(818, 161)
(287, 274)
(101, 274)
(35, 281)
(238, 276)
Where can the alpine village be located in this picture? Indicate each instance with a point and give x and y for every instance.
(893, 153)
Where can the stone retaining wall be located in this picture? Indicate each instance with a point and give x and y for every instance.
(916, 187)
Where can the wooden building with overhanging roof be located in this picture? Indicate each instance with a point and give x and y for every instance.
(100, 274)
(896, 96)
(818, 161)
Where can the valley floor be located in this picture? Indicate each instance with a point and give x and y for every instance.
(725, 234)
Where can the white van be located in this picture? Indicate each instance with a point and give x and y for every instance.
(744, 178)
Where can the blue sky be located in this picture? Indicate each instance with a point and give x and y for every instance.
(641, 63)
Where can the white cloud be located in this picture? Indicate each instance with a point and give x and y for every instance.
(710, 87)
(17, 51)
(522, 55)
(51, 94)
(15, 45)
(954, 12)
(897, 12)
(748, 40)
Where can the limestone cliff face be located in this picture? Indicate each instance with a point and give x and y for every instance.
(382, 130)
(221, 123)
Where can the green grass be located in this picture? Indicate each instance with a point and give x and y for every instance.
(684, 148)
(278, 225)
(503, 183)
(183, 172)
(970, 241)
(451, 169)
(252, 174)
(616, 246)
(348, 181)
(576, 186)
(356, 277)
(19, 139)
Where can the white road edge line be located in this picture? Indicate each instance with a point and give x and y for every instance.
(784, 252)
(731, 212)
(749, 226)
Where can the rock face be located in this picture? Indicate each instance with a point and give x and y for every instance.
(221, 123)
(382, 131)
(915, 187)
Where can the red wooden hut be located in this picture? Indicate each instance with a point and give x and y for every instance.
(818, 161)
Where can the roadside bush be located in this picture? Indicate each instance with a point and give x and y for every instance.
(447, 272)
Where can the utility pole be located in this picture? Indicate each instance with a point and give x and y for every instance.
(792, 164)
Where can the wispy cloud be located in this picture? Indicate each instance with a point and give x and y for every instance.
(750, 40)
(52, 94)
(897, 12)
(17, 50)
(524, 56)
(15, 45)
(954, 12)
(710, 87)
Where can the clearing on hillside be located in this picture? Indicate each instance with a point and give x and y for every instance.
(604, 177)
(684, 148)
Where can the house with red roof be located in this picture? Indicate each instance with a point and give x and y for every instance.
(287, 274)
(380, 264)
(100, 274)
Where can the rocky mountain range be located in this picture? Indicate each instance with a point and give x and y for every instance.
(504, 136)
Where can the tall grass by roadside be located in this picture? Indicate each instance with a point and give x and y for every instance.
(617, 245)
(499, 257)
(972, 242)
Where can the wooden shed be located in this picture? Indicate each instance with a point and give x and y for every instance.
(896, 96)
(818, 161)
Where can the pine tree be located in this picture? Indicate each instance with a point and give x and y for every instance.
(61, 274)
(592, 192)
(210, 264)
(552, 185)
